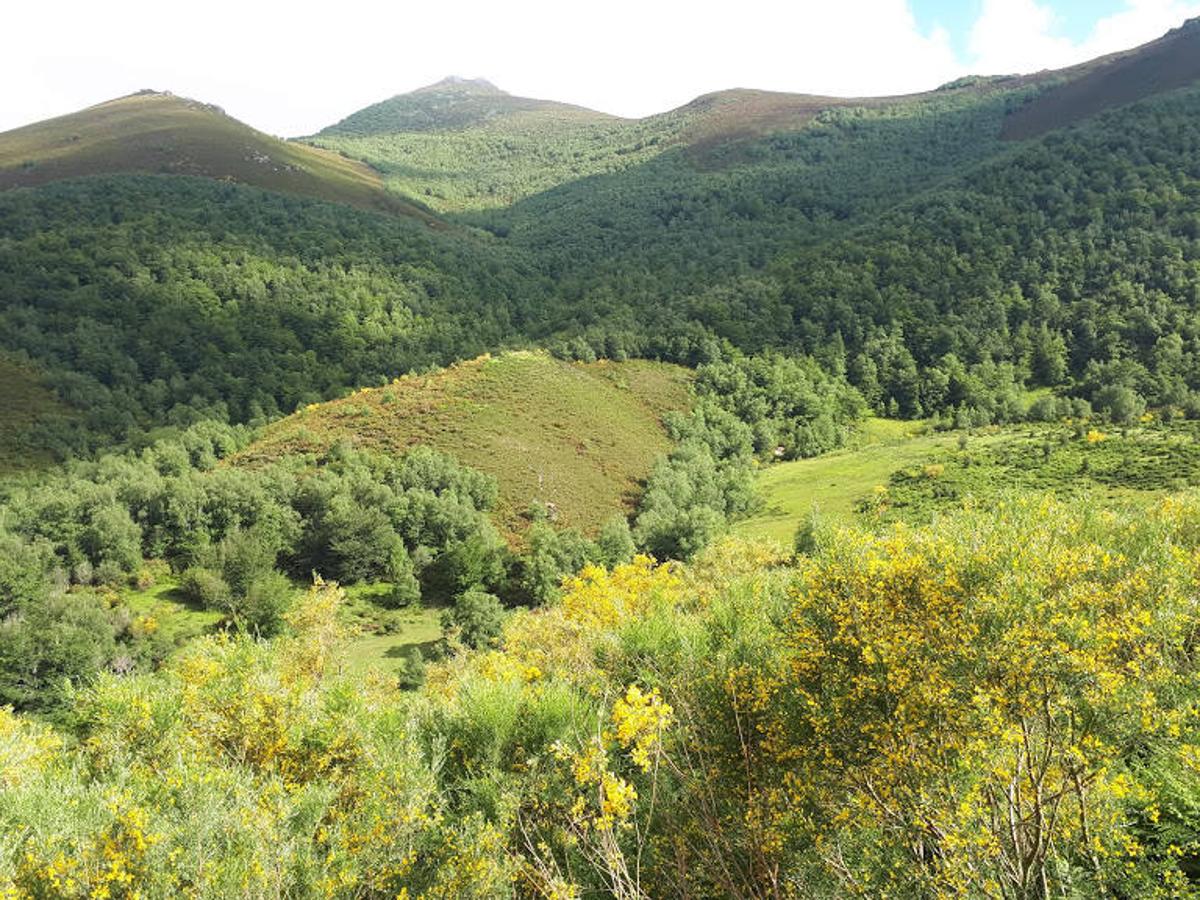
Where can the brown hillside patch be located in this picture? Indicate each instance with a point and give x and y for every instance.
(160, 134)
(742, 114)
(1163, 65)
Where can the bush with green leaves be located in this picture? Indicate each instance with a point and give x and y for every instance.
(52, 644)
(476, 619)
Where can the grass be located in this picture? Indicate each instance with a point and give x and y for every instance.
(382, 638)
(163, 134)
(421, 629)
(379, 638)
(834, 483)
(896, 474)
(178, 620)
(24, 404)
(579, 437)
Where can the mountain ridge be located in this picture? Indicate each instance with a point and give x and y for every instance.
(160, 133)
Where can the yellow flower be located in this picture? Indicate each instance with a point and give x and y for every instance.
(640, 719)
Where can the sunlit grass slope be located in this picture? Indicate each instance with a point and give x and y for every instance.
(162, 134)
(580, 437)
(833, 483)
(895, 474)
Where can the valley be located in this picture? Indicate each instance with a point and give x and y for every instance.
(482, 496)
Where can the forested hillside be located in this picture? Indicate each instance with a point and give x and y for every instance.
(151, 301)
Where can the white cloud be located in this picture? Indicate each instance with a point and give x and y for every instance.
(291, 68)
(1019, 35)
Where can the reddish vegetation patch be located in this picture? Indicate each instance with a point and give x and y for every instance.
(1170, 62)
(741, 114)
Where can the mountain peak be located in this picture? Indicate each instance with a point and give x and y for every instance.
(459, 85)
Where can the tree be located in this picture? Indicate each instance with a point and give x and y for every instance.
(1120, 404)
(261, 611)
(1048, 357)
(51, 645)
(477, 618)
(551, 555)
(615, 542)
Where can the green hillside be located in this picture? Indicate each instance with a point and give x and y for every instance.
(576, 439)
(449, 105)
(162, 134)
(469, 147)
(466, 145)
(904, 472)
(151, 301)
(25, 406)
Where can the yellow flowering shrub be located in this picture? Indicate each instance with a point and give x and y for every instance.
(26, 748)
(597, 598)
(638, 720)
(1005, 703)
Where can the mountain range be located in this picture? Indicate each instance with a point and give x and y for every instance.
(998, 233)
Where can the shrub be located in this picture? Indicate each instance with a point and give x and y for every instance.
(476, 618)
(615, 543)
(261, 611)
(411, 674)
(206, 588)
(50, 646)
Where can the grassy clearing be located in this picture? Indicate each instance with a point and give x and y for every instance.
(382, 638)
(580, 437)
(891, 477)
(834, 483)
(163, 134)
(420, 628)
(177, 620)
(379, 638)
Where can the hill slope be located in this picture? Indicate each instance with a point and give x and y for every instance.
(25, 405)
(580, 437)
(466, 146)
(452, 103)
(162, 134)
(1172, 61)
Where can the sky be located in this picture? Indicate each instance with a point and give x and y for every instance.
(291, 68)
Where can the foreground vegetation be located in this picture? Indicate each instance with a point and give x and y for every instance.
(1002, 704)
